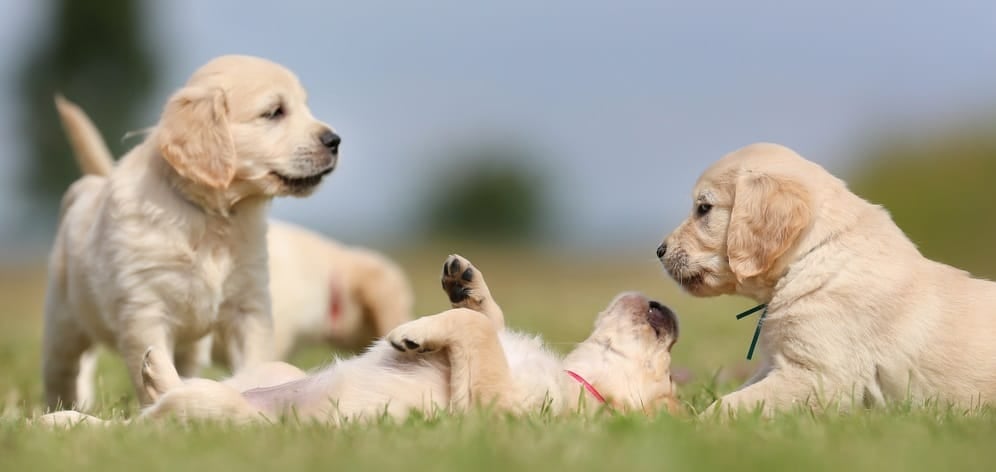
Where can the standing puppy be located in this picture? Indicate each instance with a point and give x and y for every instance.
(322, 291)
(170, 244)
(855, 314)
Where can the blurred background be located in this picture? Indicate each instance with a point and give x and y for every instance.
(556, 141)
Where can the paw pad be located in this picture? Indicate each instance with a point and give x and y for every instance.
(407, 345)
(455, 277)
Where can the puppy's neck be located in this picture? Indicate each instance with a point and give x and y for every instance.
(219, 203)
(585, 360)
(822, 256)
(148, 186)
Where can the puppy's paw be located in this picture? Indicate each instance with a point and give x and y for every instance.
(415, 337)
(159, 375)
(464, 283)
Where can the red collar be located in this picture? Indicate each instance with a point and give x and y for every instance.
(335, 303)
(587, 386)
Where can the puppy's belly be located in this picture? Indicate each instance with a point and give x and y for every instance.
(276, 400)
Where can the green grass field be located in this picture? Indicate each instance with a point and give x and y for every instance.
(555, 294)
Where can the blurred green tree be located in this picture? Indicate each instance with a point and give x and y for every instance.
(941, 190)
(97, 53)
(492, 192)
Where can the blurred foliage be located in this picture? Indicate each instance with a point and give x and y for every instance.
(940, 187)
(492, 192)
(98, 54)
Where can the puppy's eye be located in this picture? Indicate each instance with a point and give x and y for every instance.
(702, 209)
(274, 114)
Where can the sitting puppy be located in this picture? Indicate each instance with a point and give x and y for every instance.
(169, 245)
(321, 291)
(454, 360)
(855, 314)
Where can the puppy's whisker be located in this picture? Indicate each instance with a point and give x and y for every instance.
(137, 132)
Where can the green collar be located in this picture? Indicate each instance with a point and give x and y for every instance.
(757, 331)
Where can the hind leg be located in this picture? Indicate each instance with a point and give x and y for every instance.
(139, 333)
(190, 399)
(63, 362)
(67, 419)
(202, 399)
(158, 374)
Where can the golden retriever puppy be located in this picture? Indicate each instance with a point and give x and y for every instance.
(324, 291)
(321, 290)
(450, 361)
(169, 245)
(855, 314)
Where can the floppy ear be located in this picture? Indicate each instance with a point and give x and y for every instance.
(194, 136)
(769, 214)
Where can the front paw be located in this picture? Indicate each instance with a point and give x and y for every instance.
(458, 278)
(414, 337)
(464, 284)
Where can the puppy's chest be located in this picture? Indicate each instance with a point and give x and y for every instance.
(536, 372)
(211, 274)
(211, 268)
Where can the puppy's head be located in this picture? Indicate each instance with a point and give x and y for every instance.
(242, 125)
(627, 358)
(749, 212)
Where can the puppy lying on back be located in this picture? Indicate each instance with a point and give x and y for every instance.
(855, 314)
(169, 245)
(321, 290)
(454, 360)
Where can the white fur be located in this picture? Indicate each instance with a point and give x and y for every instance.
(446, 362)
(170, 245)
(310, 276)
(322, 291)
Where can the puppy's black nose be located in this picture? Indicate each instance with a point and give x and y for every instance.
(661, 250)
(330, 140)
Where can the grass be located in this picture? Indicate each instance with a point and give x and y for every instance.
(552, 293)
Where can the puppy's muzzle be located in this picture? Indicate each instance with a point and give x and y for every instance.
(662, 319)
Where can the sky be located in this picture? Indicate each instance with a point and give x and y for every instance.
(628, 101)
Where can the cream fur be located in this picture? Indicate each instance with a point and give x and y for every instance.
(322, 291)
(856, 315)
(169, 245)
(310, 276)
(450, 361)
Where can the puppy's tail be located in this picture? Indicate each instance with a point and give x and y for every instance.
(89, 148)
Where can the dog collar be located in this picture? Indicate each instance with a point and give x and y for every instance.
(757, 330)
(587, 386)
(335, 302)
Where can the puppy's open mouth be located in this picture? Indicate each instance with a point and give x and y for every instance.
(661, 319)
(302, 183)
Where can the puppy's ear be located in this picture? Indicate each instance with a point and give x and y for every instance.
(769, 214)
(194, 137)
